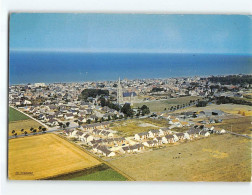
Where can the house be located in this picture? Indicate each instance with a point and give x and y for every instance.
(158, 139)
(69, 116)
(103, 150)
(74, 133)
(180, 136)
(204, 133)
(82, 120)
(106, 133)
(153, 133)
(168, 139)
(141, 136)
(150, 143)
(68, 132)
(166, 131)
(184, 123)
(193, 133)
(87, 138)
(134, 148)
(52, 122)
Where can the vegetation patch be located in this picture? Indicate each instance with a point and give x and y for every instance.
(102, 175)
(15, 115)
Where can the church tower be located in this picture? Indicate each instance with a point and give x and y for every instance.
(119, 92)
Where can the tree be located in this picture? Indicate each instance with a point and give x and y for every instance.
(22, 130)
(145, 110)
(126, 109)
(44, 130)
(25, 133)
(201, 104)
(31, 129)
(60, 124)
(115, 117)
(109, 117)
(103, 101)
(80, 123)
(88, 121)
(13, 131)
(67, 124)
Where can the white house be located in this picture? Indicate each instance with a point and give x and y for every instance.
(141, 136)
(168, 139)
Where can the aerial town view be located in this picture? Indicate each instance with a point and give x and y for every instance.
(122, 97)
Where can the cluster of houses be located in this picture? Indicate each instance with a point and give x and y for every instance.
(158, 137)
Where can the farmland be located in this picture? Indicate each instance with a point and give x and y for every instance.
(217, 158)
(159, 106)
(132, 126)
(43, 156)
(15, 115)
(23, 124)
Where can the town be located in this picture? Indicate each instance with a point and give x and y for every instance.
(98, 115)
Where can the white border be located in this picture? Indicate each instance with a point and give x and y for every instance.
(108, 6)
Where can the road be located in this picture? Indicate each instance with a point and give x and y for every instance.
(233, 133)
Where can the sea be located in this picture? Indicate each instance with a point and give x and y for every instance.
(50, 67)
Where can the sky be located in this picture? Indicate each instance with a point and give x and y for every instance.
(130, 33)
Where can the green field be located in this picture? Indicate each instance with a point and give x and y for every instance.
(15, 115)
(159, 106)
(104, 175)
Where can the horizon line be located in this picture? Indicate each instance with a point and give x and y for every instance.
(133, 51)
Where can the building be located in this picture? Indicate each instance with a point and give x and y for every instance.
(119, 93)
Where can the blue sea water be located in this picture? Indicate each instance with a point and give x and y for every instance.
(48, 67)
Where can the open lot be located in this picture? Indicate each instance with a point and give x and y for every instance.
(132, 126)
(159, 106)
(23, 124)
(15, 115)
(43, 156)
(241, 125)
(217, 158)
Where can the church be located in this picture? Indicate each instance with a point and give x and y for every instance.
(125, 97)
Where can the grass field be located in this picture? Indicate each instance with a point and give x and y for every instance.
(104, 175)
(133, 126)
(217, 158)
(43, 156)
(15, 115)
(23, 124)
(159, 106)
(241, 125)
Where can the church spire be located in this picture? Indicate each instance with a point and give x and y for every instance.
(119, 92)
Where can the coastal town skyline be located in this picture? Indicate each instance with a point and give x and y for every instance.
(106, 97)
